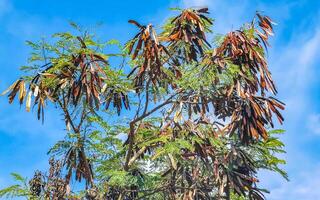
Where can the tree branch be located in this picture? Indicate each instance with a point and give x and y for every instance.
(136, 155)
(133, 130)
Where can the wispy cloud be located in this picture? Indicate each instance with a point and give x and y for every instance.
(294, 67)
(314, 123)
(305, 186)
(310, 50)
(300, 57)
(24, 140)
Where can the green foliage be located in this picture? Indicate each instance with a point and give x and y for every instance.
(21, 189)
(268, 152)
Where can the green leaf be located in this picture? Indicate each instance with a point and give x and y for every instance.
(18, 177)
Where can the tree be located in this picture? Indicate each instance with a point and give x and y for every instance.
(190, 119)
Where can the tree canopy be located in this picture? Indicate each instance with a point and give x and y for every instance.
(171, 115)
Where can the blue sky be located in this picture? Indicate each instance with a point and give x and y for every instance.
(293, 59)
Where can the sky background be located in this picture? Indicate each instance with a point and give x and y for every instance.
(294, 59)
